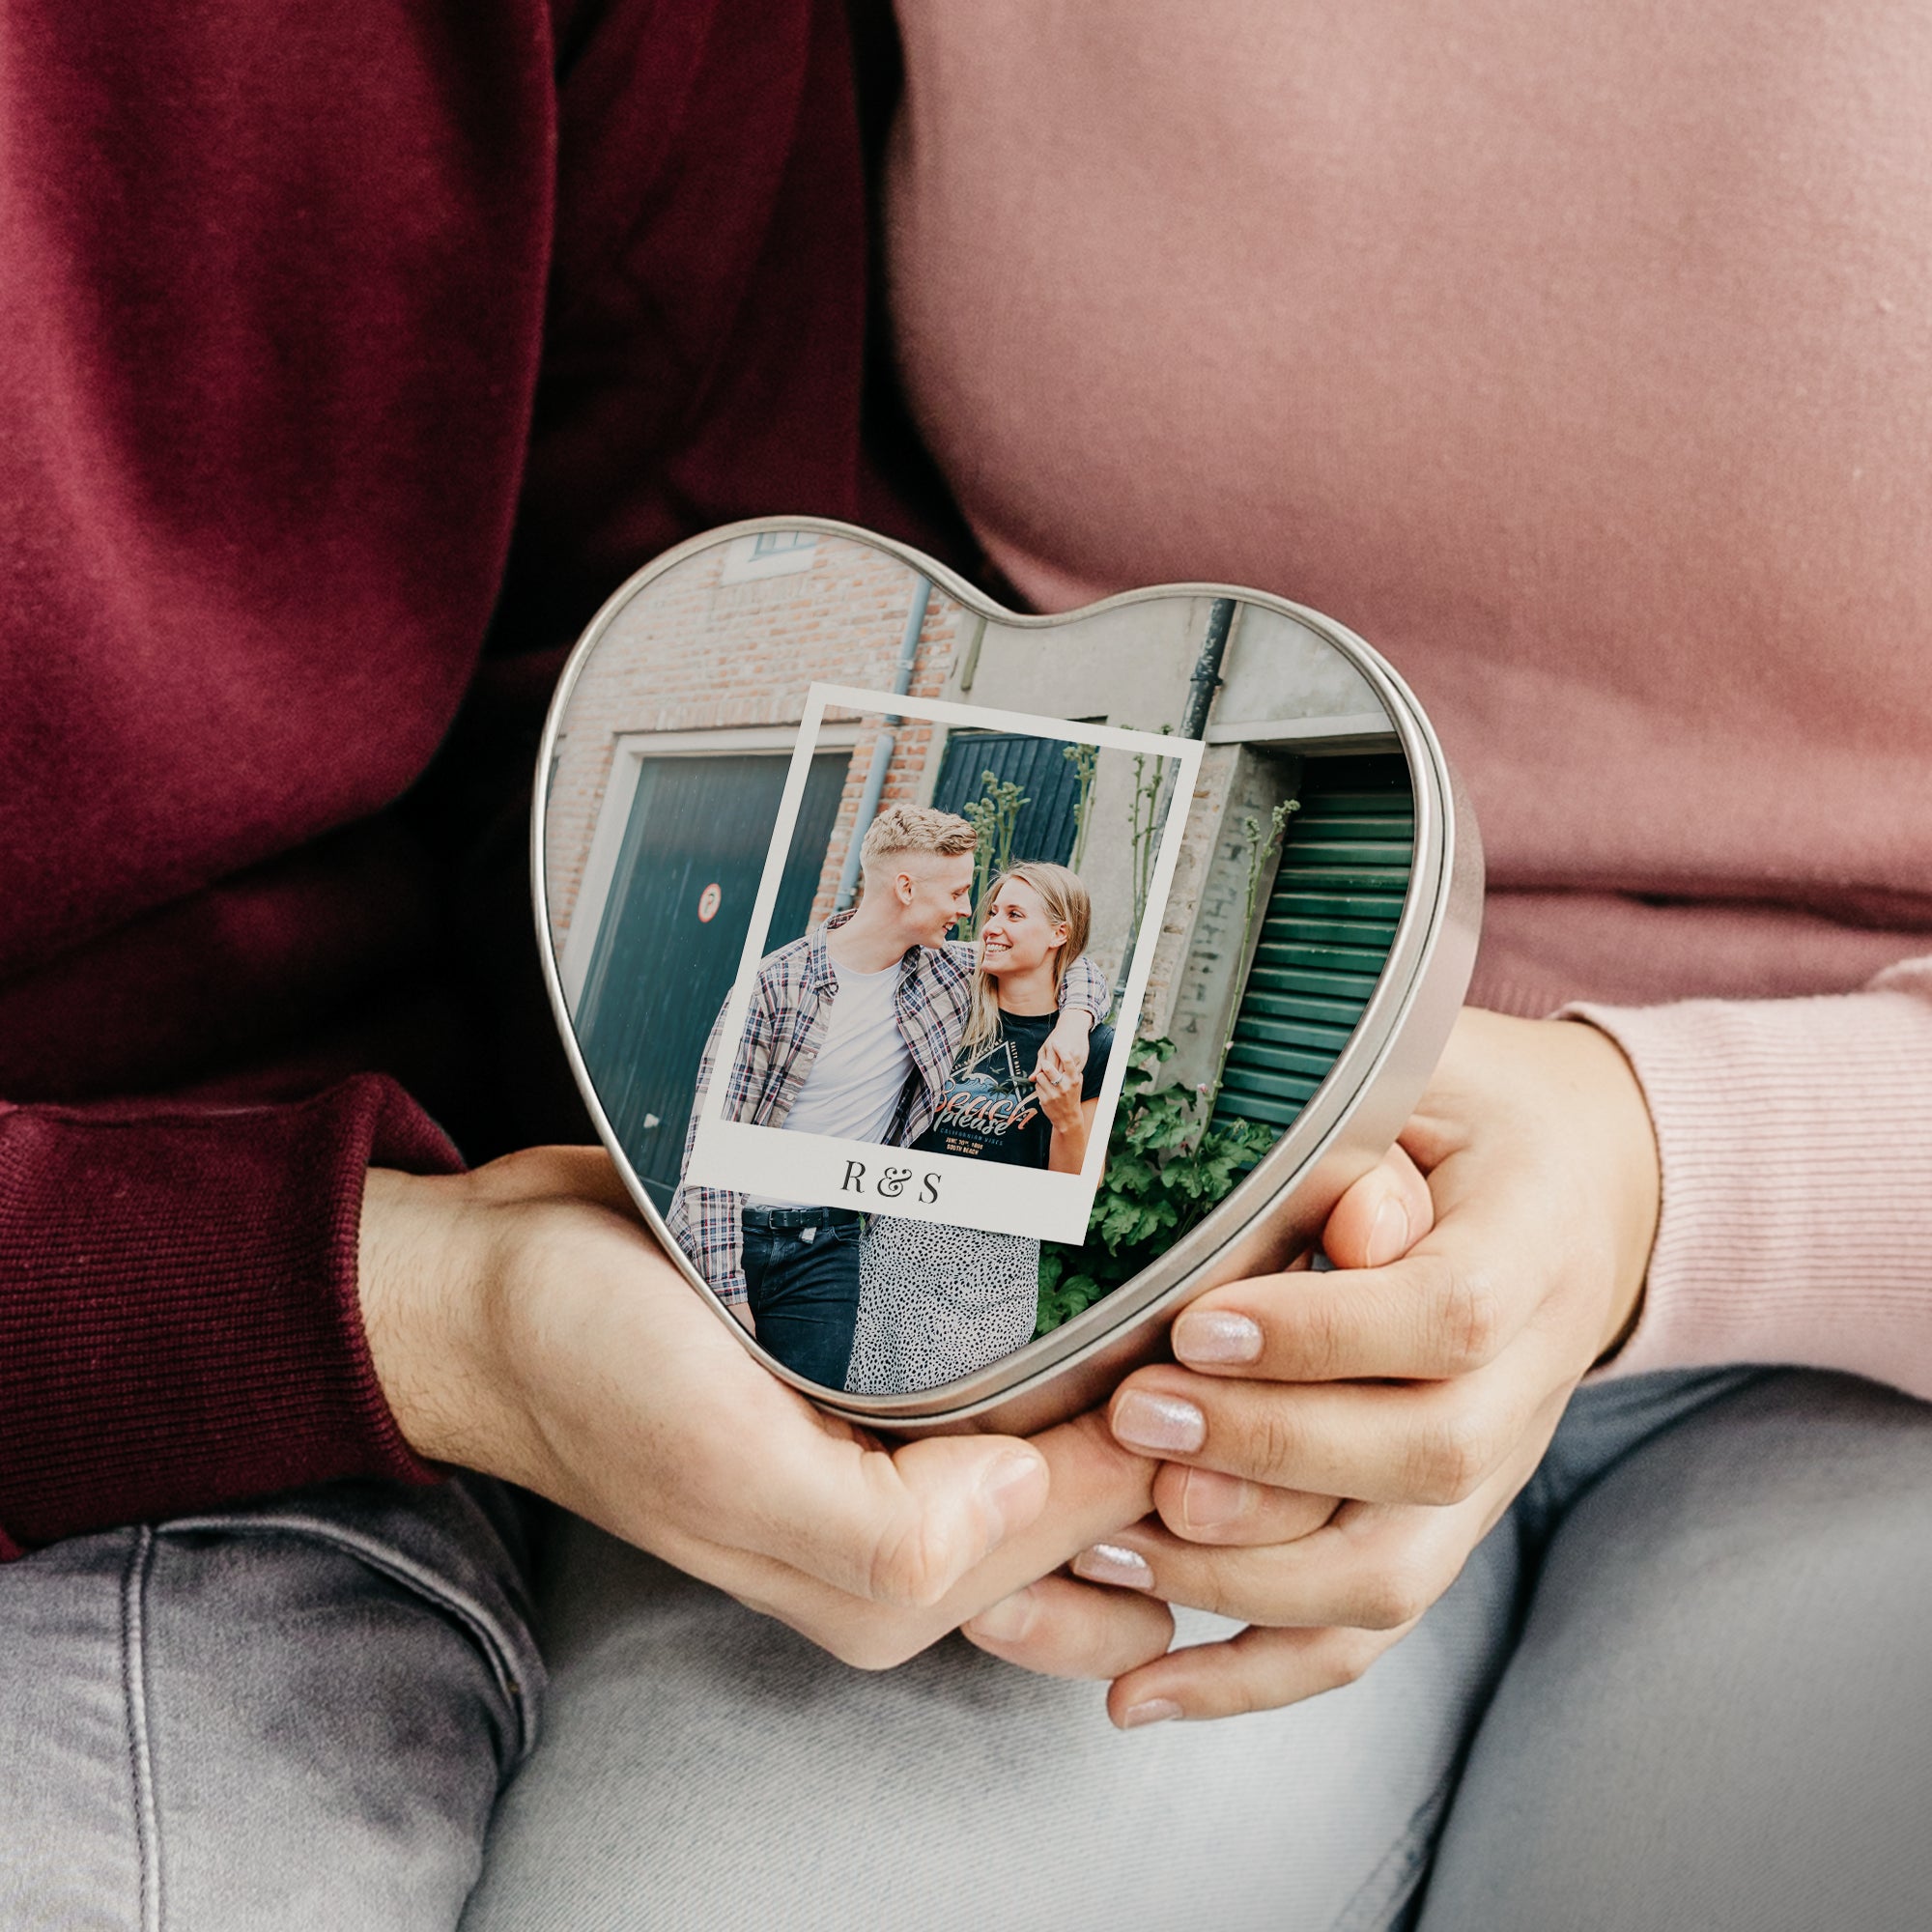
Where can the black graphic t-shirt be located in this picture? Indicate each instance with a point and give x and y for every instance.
(991, 1110)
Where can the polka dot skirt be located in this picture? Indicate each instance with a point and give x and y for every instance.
(936, 1303)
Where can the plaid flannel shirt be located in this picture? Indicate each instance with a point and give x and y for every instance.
(789, 1012)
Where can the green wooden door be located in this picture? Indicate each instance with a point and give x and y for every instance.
(1046, 825)
(661, 968)
(1326, 934)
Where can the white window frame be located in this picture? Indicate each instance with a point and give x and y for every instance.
(613, 817)
(746, 564)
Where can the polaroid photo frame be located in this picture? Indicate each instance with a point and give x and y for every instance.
(945, 1189)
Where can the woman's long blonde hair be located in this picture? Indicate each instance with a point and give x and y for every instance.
(1066, 904)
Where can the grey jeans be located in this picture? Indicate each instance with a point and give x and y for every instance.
(296, 1714)
(1687, 1683)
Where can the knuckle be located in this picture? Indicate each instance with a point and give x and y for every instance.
(1448, 1458)
(910, 1567)
(1317, 1331)
(1276, 1443)
(1354, 1654)
(1390, 1596)
(1335, 1661)
(1210, 1588)
(1262, 1694)
(877, 1644)
(1470, 1318)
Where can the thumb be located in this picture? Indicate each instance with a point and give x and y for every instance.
(902, 1528)
(1382, 1217)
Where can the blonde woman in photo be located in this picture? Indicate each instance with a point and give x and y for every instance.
(937, 1302)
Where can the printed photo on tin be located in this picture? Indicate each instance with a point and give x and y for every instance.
(920, 1089)
(931, 972)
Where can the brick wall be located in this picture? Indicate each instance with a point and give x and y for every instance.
(917, 744)
(695, 652)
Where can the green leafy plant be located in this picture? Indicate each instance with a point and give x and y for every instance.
(1144, 827)
(993, 815)
(1145, 817)
(1168, 1163)
(1086, 761)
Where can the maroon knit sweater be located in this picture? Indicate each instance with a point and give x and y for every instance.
(351, 354)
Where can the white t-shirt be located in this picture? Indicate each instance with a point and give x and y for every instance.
(854, 1087)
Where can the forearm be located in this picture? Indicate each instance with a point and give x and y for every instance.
(1796, 1145)
(1068, 1152)
(1084, 989)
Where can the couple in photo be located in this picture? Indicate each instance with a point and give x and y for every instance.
(877, 1027)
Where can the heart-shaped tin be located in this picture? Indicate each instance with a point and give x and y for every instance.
(1221, 896)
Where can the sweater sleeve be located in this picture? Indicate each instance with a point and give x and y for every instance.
(179, 1326)
(1796, 1144)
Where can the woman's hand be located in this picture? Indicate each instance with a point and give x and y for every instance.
(1423, 1390)
(522, 1322)
(1059, 1097)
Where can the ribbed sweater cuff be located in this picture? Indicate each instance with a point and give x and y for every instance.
(1796, 1146)
(179, 1325)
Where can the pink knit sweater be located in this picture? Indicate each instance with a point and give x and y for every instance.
(1580, 357)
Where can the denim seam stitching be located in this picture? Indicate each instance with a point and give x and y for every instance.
(1393, 1881)
(433, 1589)
(140, 1743)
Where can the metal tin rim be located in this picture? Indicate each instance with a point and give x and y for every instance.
(1445, 870)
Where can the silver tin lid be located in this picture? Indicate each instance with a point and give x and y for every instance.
(732, 683)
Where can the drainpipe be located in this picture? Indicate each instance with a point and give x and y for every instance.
(1201, 686)
(1207, 678)
(1201, 689)
(882, 745)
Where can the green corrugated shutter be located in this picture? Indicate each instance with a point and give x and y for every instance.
(1326, 930)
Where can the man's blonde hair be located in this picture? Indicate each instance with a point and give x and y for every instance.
(915, 828)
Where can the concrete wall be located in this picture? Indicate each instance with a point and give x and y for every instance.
(1275, 667)
(1207, 975)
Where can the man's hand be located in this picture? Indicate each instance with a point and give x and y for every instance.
(1421, 1384)
(522, 1322)
(1064, 1051)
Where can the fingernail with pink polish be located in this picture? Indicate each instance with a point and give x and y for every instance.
(1213, 1335)
(1114, 1563)
(1156, 1711)
(1144, 1420)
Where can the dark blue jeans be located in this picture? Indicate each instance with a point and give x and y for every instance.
(804, 1286)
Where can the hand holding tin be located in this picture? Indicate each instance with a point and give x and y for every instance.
(1423, 1389)
(524, 1322)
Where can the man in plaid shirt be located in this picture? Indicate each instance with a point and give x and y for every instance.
(852, 1032)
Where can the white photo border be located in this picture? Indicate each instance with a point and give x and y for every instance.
(990, 1196)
